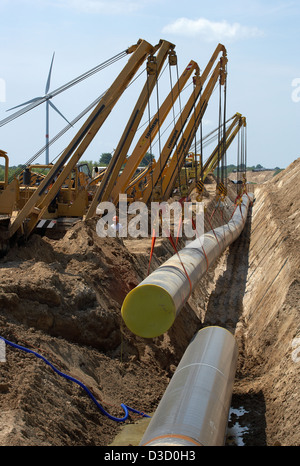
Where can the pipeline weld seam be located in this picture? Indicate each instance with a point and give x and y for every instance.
(198, 364)
(174, 436)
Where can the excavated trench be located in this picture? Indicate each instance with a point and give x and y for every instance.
(62, 298)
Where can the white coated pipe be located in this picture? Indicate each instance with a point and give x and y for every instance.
(150, 309)
(195, 406)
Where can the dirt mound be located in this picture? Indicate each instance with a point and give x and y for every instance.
(62, 299)
(270, 323)
(258, 177)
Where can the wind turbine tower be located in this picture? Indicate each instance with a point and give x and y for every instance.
(48, 105)
(46, 98)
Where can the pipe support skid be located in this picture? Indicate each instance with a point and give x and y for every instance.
(150, 309)
(195, 406)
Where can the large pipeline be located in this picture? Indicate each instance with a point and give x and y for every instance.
(150, 309)
(195, 406)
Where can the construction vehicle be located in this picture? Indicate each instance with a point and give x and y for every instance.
(72, 196)
(135, 188)
(238, 122)
(189, 133)
(30, 177)
(25, 220)
(164, 184)
(68, 190)
(152, 129)
(190, 170)
(196, 173)
(154, 66)
(4, 183)
(8, 192)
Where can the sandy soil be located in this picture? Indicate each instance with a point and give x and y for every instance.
(255, 177)
(62, 299)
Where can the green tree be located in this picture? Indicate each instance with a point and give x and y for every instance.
(147, 159)
(105, 158)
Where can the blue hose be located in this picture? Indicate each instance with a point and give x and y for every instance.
(113, 418)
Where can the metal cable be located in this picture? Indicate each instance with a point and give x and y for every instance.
(62, 88)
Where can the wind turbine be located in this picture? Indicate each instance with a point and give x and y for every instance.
(46, 98)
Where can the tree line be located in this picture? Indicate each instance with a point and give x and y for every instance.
(106, 157)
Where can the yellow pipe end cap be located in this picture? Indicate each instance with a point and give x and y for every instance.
(148, 311)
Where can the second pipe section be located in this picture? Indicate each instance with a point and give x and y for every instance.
(150, 309)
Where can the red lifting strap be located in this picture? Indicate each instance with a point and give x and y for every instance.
(152, 248)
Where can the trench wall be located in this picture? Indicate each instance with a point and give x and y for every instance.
(270, 320)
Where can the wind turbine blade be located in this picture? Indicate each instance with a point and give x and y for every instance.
(49, 75)
(25, 103)
(56, 109)
(18, 113)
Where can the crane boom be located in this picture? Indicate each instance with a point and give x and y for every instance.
(189, 133)
(231, 132)
(40, 199)
(104, 190)
(182, 120)
(152, 129)
(169, 146)
(238, 121)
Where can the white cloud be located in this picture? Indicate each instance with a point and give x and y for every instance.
(211, 30)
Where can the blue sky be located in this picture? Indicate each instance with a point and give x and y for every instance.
(261, 38)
